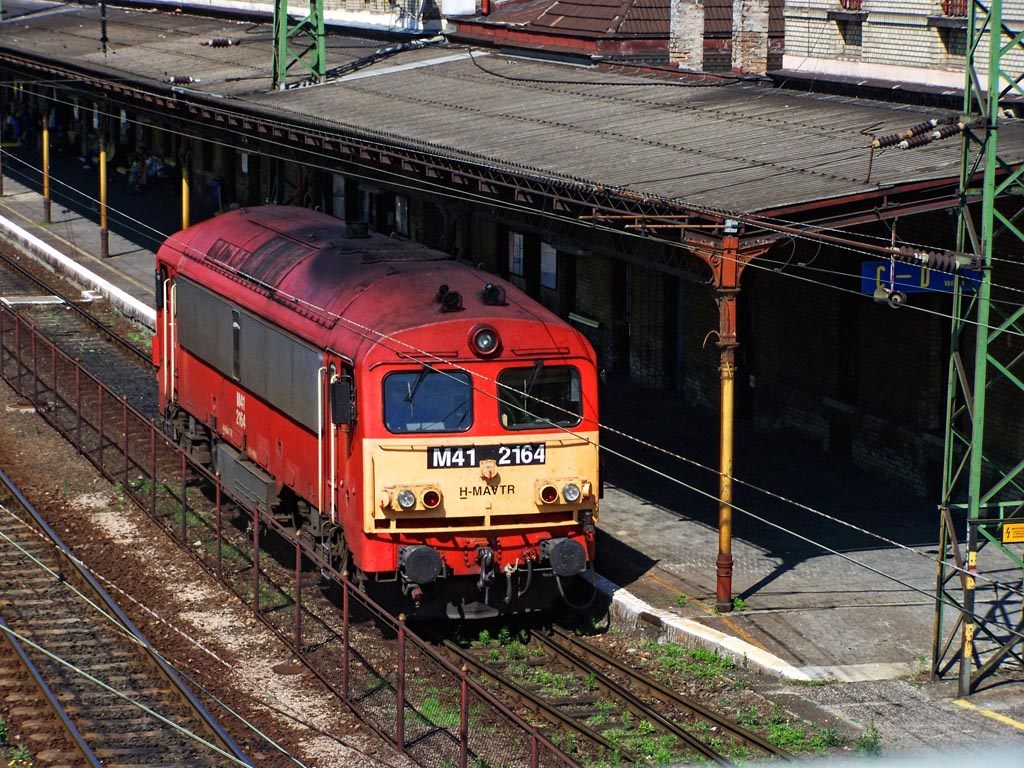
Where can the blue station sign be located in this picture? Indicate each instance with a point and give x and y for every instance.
(908, 278)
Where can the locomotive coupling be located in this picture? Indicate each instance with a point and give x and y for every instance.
(485, 557)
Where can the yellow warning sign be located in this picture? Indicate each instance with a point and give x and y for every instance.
(1013, 533)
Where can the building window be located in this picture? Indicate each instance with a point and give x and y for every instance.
(402, 215)
(852, 34)
(850, 5)
(515, 254)
(954, 40)
(548, 267)
(954, 7)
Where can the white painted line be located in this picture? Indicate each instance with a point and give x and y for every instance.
(631, 609)
(125, 302)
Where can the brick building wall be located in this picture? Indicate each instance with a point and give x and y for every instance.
(593, 300)
(698, 375)
(649, 331)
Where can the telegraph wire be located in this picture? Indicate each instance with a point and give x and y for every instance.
(405, 350)
(850, 248)
(438, 189)
(754, 263)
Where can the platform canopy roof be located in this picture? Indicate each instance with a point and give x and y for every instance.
(701, 146)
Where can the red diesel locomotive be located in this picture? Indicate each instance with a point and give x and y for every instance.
(430, 428)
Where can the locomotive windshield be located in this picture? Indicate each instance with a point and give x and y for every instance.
(428, 400)
(539, 397)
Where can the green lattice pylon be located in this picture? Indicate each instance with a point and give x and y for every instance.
(301, 42)
(978, 584)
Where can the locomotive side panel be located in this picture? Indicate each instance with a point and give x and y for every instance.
(251, 385)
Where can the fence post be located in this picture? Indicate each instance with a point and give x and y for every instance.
(184, 499)
(220, 570)
(124, 421)
(344, 637)
(99, 426)
(35, 370)
(53, 366)
(152, 479)
(78, 404)
(400, 724)
(298, 594)
(17, 352)
(256, 560)
(463, 717)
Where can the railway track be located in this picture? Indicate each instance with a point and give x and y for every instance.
(83, 326)
(613, 712)
(109, 698)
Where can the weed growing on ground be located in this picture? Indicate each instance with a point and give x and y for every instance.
(699, 662)
(870, 742)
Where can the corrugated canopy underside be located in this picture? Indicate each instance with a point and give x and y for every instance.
(739, 147)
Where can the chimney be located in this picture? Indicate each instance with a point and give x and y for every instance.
(686, 34)
(750, 36)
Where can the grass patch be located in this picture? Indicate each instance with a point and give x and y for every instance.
(698, 662)
(870, 742)
(14, 755)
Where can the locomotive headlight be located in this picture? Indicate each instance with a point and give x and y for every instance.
(484, 340)
(549, 494)
(571, 493)
(406, 499)
(431, 498)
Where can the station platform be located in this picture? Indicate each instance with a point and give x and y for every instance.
(834, 570)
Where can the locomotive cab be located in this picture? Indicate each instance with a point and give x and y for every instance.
(486, 463)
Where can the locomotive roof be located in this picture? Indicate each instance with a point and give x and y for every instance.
(307, 272)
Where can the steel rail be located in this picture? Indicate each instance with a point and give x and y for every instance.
(551, 713)
(75, 307)
(77, 569)
(658, 689)
(634, 703)
(51, 700)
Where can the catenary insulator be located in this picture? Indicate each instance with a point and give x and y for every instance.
(942, 261)
(904, 136)
(916, 141)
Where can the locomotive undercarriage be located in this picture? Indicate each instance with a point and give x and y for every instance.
(292, 513)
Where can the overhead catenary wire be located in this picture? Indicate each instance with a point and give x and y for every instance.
(852, 248)
(944, 260)
(414, 354)
(754, 516)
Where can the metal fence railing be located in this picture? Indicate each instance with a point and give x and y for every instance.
(410, 695)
